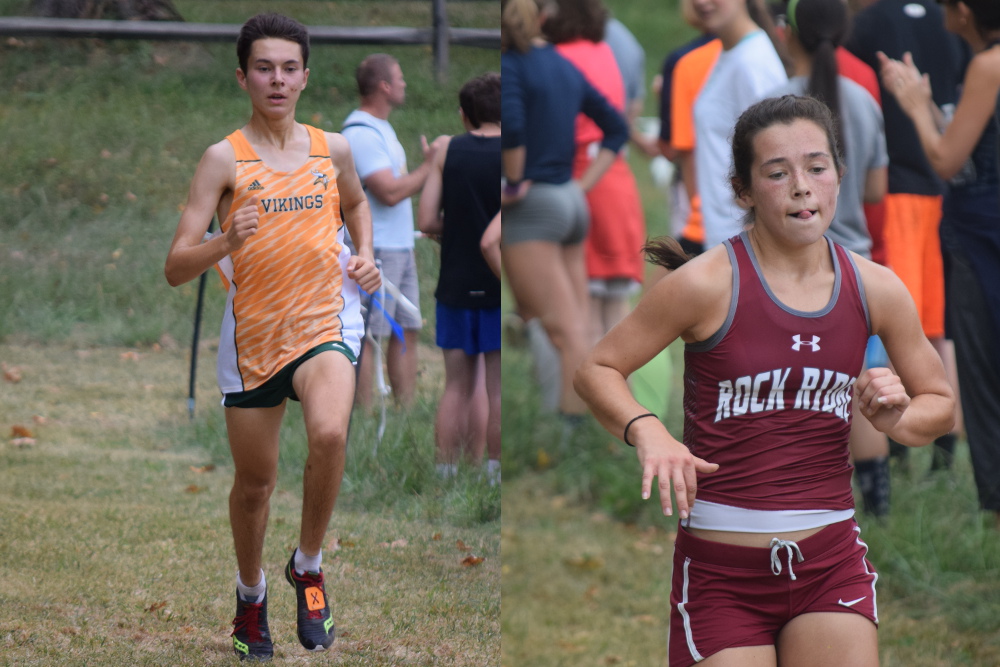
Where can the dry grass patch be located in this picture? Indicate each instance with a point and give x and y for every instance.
(115, 545)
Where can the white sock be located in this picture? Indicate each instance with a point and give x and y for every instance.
(251, 593)
(446, 470)
(493, 471)
(304, 563)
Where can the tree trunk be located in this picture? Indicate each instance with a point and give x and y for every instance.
(123, 10)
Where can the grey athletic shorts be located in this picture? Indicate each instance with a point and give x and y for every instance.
(400, 267)
(553, 213)
(613, 288)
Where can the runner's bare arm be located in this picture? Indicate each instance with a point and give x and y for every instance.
(913, 402)
(213, 183)
(689, 303)
(357, 215)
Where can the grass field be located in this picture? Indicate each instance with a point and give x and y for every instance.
(586, 562)
(115, 545)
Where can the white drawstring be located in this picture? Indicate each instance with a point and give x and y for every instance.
(790, 547)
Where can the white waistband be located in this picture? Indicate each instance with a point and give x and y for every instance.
(715, 516)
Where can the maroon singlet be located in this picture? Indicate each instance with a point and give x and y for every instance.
(768, 396)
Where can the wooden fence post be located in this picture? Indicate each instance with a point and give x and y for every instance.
(441, 37)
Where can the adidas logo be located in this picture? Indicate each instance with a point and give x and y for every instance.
(255, 185)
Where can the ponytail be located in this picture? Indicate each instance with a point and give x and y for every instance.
(666, 252)
(821, 26)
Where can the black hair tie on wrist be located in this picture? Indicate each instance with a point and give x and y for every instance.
(632, 421)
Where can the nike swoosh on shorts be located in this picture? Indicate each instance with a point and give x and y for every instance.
(852, 602)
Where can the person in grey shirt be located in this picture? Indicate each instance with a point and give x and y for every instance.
(862, 130)
(631, 59)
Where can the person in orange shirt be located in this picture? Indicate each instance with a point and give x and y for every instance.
(292, 327)
(690, 74)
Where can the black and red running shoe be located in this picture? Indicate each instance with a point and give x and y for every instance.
(251, 636)
(315, 624)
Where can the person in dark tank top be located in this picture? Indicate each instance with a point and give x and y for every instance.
(965, 153)
(460, 198)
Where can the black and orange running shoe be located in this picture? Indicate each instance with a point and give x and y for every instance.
(315, 624)
(251, 636)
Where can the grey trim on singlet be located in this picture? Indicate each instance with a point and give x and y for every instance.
(716, 338)
(861, 290)
(838, 279)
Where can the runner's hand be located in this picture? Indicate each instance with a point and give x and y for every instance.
(243, 224)
(882, 398)
(363, 271)
(671, 462)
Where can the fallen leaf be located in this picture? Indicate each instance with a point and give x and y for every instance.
(168, 342)
(642, 545)
(472, 561)
(544, 460)
(586, 562)
(462, 546)
(129, 355)
(194, 488)
(156, 606)
(205, 468)
(39, 419)
(570, 647)
(399, 543)
(11, 374)
(612, 659)
(437, 537)
(19, 431)
(23, 442)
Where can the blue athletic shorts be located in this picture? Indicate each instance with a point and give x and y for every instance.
(473, 330)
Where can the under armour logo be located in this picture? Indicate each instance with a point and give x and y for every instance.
(797, 345)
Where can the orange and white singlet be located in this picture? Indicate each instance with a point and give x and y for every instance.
(288, 286)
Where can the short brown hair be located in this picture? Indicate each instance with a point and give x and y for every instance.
(480, 99)
(373, 70)
(263, 26)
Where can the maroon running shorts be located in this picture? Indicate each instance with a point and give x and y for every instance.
(725, 596)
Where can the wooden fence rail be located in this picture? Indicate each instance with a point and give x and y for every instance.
(440, 35)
